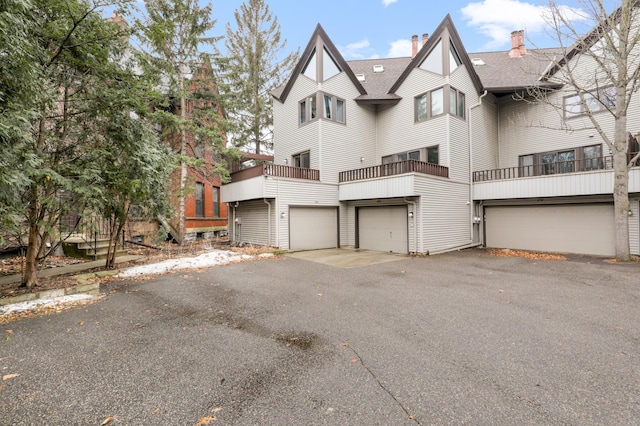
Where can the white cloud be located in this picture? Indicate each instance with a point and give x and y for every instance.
(356, 50)
(388, 2)
(496, 19)
(399, 48)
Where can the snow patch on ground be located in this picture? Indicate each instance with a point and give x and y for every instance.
(43, 303)
(213, 258)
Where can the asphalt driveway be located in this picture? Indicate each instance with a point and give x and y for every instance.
(458, 338)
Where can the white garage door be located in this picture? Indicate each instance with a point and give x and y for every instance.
(313, 228)
(383, 229)
(576, 228)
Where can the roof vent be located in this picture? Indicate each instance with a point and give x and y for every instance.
(360, 77)
(477, 62)
(378, 68)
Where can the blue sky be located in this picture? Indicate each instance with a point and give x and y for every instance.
(364, 29)
(367, 29)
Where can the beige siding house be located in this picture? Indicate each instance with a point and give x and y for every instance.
(426, 154)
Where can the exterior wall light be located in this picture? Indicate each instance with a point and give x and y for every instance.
(362, 159)
(410, 215)
(630, 213)
(282, 214)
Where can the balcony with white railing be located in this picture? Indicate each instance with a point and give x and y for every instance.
(591, 176)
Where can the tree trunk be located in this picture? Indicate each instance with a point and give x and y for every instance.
(621, 189)
(621, 205)
(183, 166)
(30, 271)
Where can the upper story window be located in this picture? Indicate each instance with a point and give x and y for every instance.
(456, 103)
(594, 101)
(561, 161)
(321, 68)
(432, 104)
(433, 61)
(429, 155)
(216, 201)
(333, 108)
(454, 59)
(199, 199)
(302, 160)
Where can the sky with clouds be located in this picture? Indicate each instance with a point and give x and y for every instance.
(366, 29)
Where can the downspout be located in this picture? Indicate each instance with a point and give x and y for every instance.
(415, 224)
(233, 220)
(268, 221)
(471, 207)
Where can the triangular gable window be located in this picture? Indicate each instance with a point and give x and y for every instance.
(310, 70)
(433, 61)
(454, 59)
(329, 67)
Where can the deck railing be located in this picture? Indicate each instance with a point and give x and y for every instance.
(276, 170)
(391, 169)
(559, 167)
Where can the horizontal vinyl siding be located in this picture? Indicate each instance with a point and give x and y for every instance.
(248, 189)
(634, 227)
(288, 137)
(459, 150)
(596, 182)
(392, 186)
(343, 145)
(397, 130)
(254, 226)
(484, 134)
(444, 215)
(296, 192)
(459, 128)
(527, 128)
(347, 225)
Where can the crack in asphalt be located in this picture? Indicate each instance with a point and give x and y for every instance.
(409, 415)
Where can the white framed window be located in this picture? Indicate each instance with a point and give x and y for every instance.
(332, 108)
(591, 102)
(302, 160)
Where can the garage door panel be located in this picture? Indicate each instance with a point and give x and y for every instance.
(576, 228)
(383, 228)
(312, 228)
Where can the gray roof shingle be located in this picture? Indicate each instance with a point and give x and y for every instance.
(503, 74)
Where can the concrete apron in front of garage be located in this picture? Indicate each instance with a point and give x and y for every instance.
(347, 258)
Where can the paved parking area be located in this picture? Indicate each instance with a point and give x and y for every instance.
(458, 338)
(347, 258)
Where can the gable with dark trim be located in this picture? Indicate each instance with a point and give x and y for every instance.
(447, 23)
(306, 55)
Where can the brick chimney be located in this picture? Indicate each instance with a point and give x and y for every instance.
(425, 38)
(118, 18)
(414, 45)
(517, 44)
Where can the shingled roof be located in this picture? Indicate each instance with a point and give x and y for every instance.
(502, 74)
(377, 84)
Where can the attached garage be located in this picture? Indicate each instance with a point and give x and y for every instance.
(383, 228)
(574, 228)
(312, 228)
